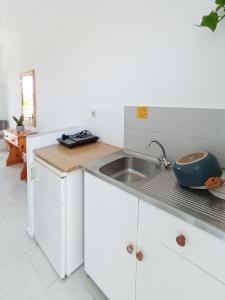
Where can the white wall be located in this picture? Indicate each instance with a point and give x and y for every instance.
(3, 103)
(103, 55)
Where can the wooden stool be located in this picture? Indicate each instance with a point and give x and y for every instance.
(16, 142)
(23, 174)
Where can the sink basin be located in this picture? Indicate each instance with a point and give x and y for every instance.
(130, 169)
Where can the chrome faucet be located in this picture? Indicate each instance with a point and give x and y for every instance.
(163, 162)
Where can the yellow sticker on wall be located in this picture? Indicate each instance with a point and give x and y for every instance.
(142, 112)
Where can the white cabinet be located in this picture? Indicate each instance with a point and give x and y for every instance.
(58, 216)
(158, 268)
(199, 246)
(110, 227)
(163, 274)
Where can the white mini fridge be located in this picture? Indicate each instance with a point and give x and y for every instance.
(58, 215)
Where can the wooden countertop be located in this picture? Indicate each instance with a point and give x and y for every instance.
(68, 160)
(14, 132)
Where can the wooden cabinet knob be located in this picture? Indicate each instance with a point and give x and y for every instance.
(140, 255)
(181, 240)
(130, 249)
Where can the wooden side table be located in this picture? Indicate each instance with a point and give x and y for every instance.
(16, 142)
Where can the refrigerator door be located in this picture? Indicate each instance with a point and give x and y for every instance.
(50, 216)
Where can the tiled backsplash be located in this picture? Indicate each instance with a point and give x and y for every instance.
(180, 130)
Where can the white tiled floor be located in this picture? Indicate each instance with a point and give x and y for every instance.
(25, 273)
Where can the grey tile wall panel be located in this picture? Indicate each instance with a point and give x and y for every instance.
(180, 130)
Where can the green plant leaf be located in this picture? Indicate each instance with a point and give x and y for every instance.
(218, 8)
(210, 20)
(19, 122)
(221, 5)
(15, 119)
(220, 2)
(21, 119)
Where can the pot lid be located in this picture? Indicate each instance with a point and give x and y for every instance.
(191, 158)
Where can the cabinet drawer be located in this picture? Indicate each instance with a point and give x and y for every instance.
(196, 245)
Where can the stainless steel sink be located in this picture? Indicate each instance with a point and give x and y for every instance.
(130, 169)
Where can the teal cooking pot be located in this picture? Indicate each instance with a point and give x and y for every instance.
(194, 169)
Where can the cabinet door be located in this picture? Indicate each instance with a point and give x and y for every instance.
(49, 216)
(110, 226)
(163, 274)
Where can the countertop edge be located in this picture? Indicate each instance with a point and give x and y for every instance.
(70, 170)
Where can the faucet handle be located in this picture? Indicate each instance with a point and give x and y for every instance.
(167, 163)
(163, 162)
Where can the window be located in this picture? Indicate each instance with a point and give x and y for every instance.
(28, 97)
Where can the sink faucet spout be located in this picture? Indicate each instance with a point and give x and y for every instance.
(163, 162)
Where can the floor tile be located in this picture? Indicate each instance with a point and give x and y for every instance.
(19, 280)
(43, 268)
(25, 273)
